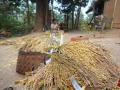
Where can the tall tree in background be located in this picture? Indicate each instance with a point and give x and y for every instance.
(41, 14)
(69, 7)
(77, 19)
(72, 19)
(79, 3)
(42, 7)
(8, 13)
(28, 12)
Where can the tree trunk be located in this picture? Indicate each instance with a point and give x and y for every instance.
(46, 13)
(67, 20)
(39, 19)
(52, 13)
(28, 12)
(78, 17)
(75, 26)
(72, 20)
(66, 17)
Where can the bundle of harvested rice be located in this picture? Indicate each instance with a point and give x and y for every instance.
(39, 43)
(89, 64)
(94, 61)
(33, 52)
(20, 41)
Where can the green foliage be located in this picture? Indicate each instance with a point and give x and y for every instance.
(9, 5)
(22, 29)
(70, 5)
(13, 18)
(89, 17)
(7, 21)
(84, 26)
(11, 24)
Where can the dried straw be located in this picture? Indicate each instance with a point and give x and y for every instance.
(88, 63)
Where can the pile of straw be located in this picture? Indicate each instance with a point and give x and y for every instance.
(40, 43)
(89, 64)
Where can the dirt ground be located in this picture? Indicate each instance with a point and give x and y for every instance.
(110, 39)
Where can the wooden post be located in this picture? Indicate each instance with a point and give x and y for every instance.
(115, 3)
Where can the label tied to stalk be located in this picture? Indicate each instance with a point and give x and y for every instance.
(75, 84)
(61, 41)
(49, 60)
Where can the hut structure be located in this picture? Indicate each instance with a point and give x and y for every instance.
(112, 12)
(109, 9)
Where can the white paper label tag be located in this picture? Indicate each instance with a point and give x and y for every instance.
(75, 84)
(48, 61)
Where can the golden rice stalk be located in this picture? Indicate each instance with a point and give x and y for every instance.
(89, 64)
(39, 43)
(54, 75)
(95, 59)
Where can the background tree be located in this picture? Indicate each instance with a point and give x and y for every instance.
(8, 13)
(15, 16)
(73, 6)
(42, 7)
(19, 16)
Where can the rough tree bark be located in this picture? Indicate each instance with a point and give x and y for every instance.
(39, 19)
(77, 18)
(67, 21)
(66, 18)
(46, 12)
(28, 12)
(73, 20)
(52, 12)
